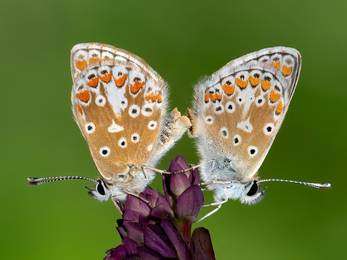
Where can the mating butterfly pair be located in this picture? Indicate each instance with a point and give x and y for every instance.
(120, 105)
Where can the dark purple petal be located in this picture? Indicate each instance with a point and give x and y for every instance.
(147, 254)
(182, 162)
(155, 239)
(162, 209)
(136, 210)
(195, 177)
(175, 166)
(178, 183)
(166, 186)
(130, 246)
(202, 245)
(150, 195)
(134, 231)
(175, 239)
(122, 232)
(190, 202)
(117, 253)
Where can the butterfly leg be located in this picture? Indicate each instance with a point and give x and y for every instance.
(219, 204)
(153, 169)
(197, 166)
(139, 197)
(117, 207)
(215, 182)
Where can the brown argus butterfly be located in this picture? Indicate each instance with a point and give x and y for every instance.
(236, 115)
(120, 105)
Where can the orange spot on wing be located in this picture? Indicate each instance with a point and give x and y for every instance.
(120, 81)
(274, 96)
(254, 81)
(134, 88)
(279, 108)
(93, 82)
(79, 108)
(277, 65)
(229, 90)
(159, 98)
(265, 84)
(93, 60)
(206, 98)
(149, 96)
(83, 96)
(241, 83)
(213, 97)
(219, 96)
(80, 64)
(286, 71)
(106, 77)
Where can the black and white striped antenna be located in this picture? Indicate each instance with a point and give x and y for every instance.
(39, 181)
(311, 184)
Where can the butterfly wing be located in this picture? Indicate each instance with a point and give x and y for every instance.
(119, 103)
(240, 108)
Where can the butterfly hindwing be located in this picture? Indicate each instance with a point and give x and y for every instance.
(238, 111)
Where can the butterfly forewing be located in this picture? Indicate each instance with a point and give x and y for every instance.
(118, 103)
(240, 108)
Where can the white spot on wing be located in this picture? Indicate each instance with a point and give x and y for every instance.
(224, 132)
(135, 138)
(252, 151)
(245, 126)
(90, 128)
(209, 120)
(114, 128)
(268, 129)
(122, 142)
(134, 111)
(152, 125)
(100, 100)
(116, 98)
(149, 148)
(104, 151)
(237, 140)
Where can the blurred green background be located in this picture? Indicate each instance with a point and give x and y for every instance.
(181, 40)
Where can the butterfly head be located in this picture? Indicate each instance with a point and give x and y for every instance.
(100, 191)
(252, 193)
(247, 192)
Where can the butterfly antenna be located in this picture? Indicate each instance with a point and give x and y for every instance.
(39, 181)
(314, 185)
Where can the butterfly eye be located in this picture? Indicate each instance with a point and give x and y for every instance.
(100, 191)
(254, 189)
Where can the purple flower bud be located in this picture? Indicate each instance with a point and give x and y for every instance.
(158, 226)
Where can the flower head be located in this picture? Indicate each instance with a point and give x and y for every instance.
(159, 227)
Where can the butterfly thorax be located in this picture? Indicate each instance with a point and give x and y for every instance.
(134, 181)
